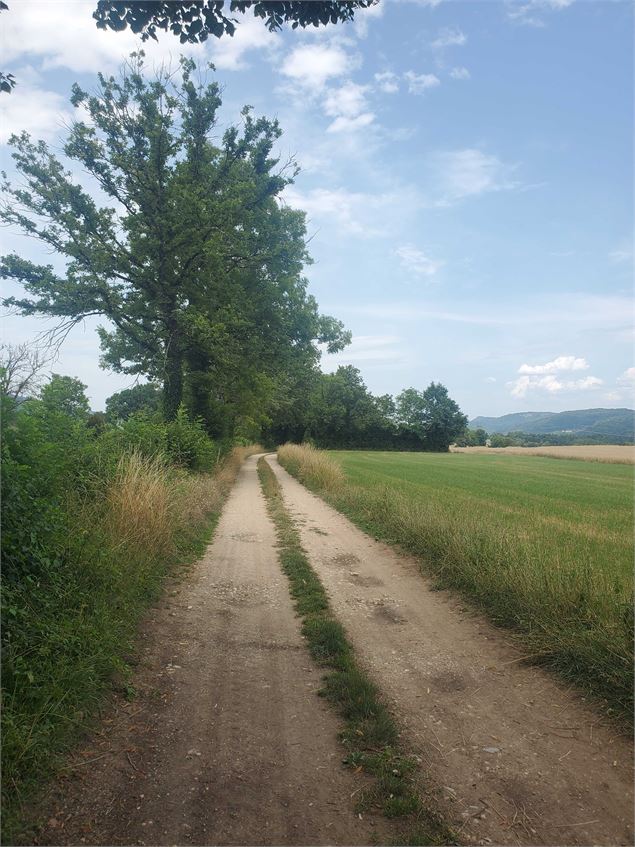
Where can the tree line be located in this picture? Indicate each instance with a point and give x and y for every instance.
(338, 411)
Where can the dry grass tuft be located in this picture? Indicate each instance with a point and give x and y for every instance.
(312, 466)
(150, 503)
(140, 503)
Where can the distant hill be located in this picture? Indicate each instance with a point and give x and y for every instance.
(609, 422)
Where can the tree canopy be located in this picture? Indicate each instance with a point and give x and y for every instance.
(140, 398)
(195, 20)
(196, 261)
(432, 415)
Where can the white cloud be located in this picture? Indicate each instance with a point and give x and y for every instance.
(490, 379)
(460, 73)
(348, 100)
(415, 261)
(548, 377)
(627, 378)
(387, 82)
(529, 12)
(364, 16)
(449, 38)
(312, 65)
(561, 363)
(356, 213)
(620, 256)
(65, 35)
(349, 106)
(345, 124)
(41, 113)
(370, 350)
(467, 173)
(418, 83)
(251, 34)
(552, 384)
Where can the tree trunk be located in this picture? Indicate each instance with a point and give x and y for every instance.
(172, 379)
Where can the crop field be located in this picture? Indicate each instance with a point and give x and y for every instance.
(612, 453)
(545, 547)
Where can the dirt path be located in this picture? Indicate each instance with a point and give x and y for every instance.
(516, 758)
(227, 742)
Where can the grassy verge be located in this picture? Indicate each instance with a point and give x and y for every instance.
(370, 734)
(70, 631)
(545, 548)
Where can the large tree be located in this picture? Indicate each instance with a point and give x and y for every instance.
(195, 261)
(432, 415)
(195, 20)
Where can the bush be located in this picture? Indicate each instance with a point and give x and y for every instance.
(188, 445)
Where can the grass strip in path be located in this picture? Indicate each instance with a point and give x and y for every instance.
(370, 734)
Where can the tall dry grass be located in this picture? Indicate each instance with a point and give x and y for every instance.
(572, 613)
(149, 503)
(312, 467)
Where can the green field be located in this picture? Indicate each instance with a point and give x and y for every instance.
(544, 546)
(581, 511)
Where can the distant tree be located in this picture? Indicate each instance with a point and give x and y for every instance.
(196, 20)
(122, 404)
(66, 395)
(343, 413)
(472, 438)
(21, 369)
(480, 437)
(498, 440)
(432, 415)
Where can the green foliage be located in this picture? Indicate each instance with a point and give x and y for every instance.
(188, 445)
(195, 22)
(472, 438)
(338, 411)
(65, 395)
(139, 398)
(432, 415)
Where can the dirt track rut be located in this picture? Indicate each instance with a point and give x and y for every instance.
(514, 757)
(228, 742)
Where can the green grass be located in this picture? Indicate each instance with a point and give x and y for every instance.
(545, 547)
(370, 735)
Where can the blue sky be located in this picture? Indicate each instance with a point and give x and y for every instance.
(467, 174)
